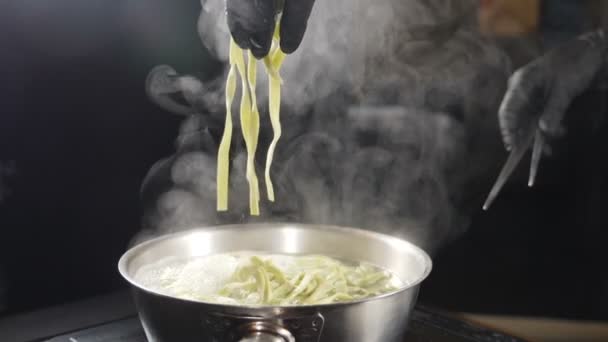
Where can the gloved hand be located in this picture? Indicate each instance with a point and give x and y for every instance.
(252, 23)
(540, 93)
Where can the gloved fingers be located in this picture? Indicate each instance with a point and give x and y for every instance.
(293, 23)
(520, 107)
(551, 129)
(550, 122)
(251, 23)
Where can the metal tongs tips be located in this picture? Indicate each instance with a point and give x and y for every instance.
(517, 153)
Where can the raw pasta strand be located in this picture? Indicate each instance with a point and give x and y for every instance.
(255, 118)
(247, 128)
(274, 99)
(250, 120)
(223, 158)
(252, 78)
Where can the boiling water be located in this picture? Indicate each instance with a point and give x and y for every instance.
(200, 277)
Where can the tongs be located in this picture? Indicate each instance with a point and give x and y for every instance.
(517, 153)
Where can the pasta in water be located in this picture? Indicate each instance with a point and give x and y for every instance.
(250, 120)
(248, 278)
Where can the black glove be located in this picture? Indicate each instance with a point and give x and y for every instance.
(540, 93)
(252, 23)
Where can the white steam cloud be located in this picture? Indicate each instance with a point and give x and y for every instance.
(385, 104)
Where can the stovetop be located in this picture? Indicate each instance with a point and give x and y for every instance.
(426, 326)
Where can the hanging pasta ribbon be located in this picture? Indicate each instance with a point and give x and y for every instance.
(273, 64)
(250, 120)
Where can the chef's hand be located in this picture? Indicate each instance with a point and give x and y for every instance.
(540, 93)
(252, 23)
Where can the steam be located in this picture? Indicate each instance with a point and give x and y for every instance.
(382, 103)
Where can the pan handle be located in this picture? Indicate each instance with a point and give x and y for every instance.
(265, 332)
(283, 326)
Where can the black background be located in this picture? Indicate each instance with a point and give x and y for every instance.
(75, 119)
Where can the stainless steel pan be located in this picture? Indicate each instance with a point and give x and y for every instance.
(383, 318)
